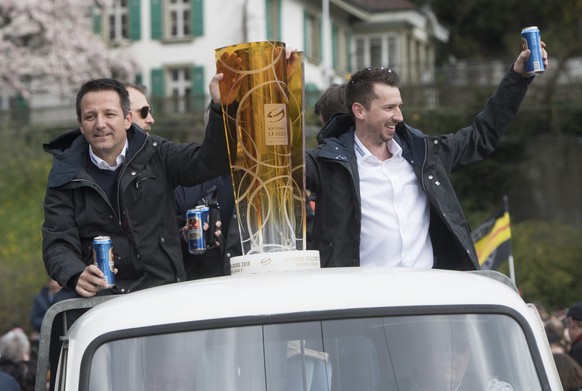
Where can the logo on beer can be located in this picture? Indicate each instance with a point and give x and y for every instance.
(530, 37)
(196, 240)
(103, 258)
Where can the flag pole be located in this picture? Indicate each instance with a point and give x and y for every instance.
(510, 259)
(511, 269)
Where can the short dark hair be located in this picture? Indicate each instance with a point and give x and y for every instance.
(331, 102)
(360, 88)
(104, 84)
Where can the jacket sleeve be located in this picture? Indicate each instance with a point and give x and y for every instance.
(474, 143)
(61, 250)
(191, 164)
(311, 181)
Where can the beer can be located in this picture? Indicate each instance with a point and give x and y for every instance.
(530, 37)
(196, 241)
(103, 258)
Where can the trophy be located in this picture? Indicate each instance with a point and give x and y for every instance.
(262, 99)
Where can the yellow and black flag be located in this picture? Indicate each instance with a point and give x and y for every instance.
(493, 239)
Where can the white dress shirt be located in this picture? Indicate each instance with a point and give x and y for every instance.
(103, 165)
(395, 211)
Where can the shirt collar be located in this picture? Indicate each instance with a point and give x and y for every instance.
(363, 154)
(103, 165)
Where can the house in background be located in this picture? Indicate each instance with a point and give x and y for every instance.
(173, 41)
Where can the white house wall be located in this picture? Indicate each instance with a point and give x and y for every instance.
(223, 25)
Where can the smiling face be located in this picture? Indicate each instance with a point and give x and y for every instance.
(103, 124)
(376, 125)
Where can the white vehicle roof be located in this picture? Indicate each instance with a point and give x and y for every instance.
(257, 296)
(292, 292)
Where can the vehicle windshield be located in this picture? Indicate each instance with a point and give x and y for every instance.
(432, 352)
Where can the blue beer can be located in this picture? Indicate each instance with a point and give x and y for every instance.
(530, 37)
(196, 240)
(103, 258)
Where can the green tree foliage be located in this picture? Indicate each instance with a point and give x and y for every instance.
(22, 186)
(485, 29)
(547, 259)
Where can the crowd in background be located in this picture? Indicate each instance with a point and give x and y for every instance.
(564, 331)
(18, 350)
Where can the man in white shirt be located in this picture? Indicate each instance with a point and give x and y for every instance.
(384, 197)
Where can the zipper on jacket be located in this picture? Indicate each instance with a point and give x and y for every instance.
(121, 173)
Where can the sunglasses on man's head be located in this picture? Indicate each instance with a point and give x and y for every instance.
(144, 111)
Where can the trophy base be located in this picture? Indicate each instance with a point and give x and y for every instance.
(279, 261)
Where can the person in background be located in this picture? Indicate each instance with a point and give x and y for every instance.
(574, 325)
(556, 333)
(330, 103)
(15, 358)
(210, 263)
(8, 383)
(41, 303)
(140, 107)
(384, 196)
(542, 311)
(217, 190)
(570, 372)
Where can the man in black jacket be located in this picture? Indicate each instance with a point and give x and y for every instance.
(109, 177)
(384, 197)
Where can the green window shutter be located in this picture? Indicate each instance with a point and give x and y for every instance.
(96, 24)
(157, 83)
(279, 20)
(138, 79)
(273, 26)
(269, 26)
(320, 28)
(197, 16)
(305, 28)
(135, 20)
(19, 102)
(348, 51)
(198, 88)
(157, 20)
(334, 53)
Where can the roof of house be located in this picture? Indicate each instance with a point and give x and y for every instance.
(383, 5)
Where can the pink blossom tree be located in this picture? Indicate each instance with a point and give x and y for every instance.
(48, 46)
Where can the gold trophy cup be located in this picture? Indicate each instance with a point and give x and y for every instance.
(262, 99)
